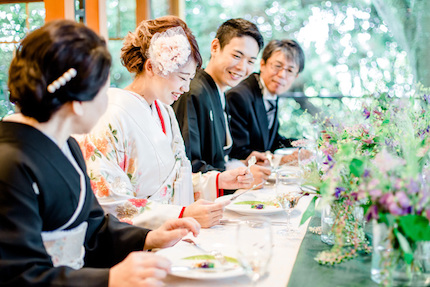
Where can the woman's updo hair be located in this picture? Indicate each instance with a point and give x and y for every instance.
(136, 44)
(45, 55)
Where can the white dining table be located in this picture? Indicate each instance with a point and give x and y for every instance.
(284, 250)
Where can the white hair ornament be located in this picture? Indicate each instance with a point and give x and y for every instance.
(169, 50)
(62, 80)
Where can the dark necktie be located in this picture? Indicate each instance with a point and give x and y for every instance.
(271, 112)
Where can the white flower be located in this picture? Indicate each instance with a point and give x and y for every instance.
(169, 50)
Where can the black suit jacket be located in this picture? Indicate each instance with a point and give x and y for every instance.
(201, 119)
(249, 124)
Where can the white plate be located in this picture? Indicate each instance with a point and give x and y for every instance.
(285, 150)
(177, 253)
(246, 209)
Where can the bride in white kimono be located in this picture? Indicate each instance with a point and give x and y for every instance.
(135, 155)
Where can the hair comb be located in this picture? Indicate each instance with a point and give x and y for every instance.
(62, 80)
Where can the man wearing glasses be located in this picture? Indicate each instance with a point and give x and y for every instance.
(254, 102)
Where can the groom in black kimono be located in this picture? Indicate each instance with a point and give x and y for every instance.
(202, 112)
(254, 102)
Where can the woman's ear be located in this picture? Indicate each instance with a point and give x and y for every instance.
(149, 68)
(77, 108)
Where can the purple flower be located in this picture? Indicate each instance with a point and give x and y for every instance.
(366, 173)
(384, 161)
(389, 142)
(366, 113)
(373, 183)
(386, 199)
(409, 210)
(394, 209)
(361, 194)
(337, 191)
(372, 213)
(413, 187)
(403, 199)
(375, 193)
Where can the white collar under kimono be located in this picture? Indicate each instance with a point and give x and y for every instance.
(154, 113)
(66, 247)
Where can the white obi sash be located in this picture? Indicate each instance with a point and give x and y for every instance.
(66, 247)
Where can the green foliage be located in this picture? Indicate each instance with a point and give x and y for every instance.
(415, 227)
(348, 48)
(406, 247)
(14, 25)
(121, 17)
(356, 167)
(310, 211)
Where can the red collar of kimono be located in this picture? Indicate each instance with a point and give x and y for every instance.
(160, 116)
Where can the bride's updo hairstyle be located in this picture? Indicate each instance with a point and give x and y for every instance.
(60, 62)
(134, 52)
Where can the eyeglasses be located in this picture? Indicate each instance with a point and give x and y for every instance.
(277, 68)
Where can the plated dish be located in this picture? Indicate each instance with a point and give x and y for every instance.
(252, 204)
(188, 262)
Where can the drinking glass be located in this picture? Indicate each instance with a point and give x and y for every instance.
(254, 246)
(288, 182)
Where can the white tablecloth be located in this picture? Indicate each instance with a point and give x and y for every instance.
(283, 255)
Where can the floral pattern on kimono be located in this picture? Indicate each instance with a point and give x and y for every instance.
(130, 158)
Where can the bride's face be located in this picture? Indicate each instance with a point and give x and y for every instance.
(177, 83)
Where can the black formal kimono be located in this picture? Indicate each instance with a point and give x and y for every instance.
(249, 123)
(29, 157)
(203, 126)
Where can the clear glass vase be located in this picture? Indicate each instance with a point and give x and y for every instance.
(327, 220)
(338, 213)
(388, 265)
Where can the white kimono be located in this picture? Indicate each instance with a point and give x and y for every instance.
(137, 172)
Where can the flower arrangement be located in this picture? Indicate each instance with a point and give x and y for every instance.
(356, 159)
(169, 50)
(397, 186)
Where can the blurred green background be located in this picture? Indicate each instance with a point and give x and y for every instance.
(352, 48)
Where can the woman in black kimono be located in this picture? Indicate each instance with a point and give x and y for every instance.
(52, 230)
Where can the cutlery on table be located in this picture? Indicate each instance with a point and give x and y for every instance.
(236, 221)
(252, 188)
(190, 268)
(269, 156)
(251, 162)
(218, 256)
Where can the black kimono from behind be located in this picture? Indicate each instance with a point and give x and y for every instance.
(27, 156)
